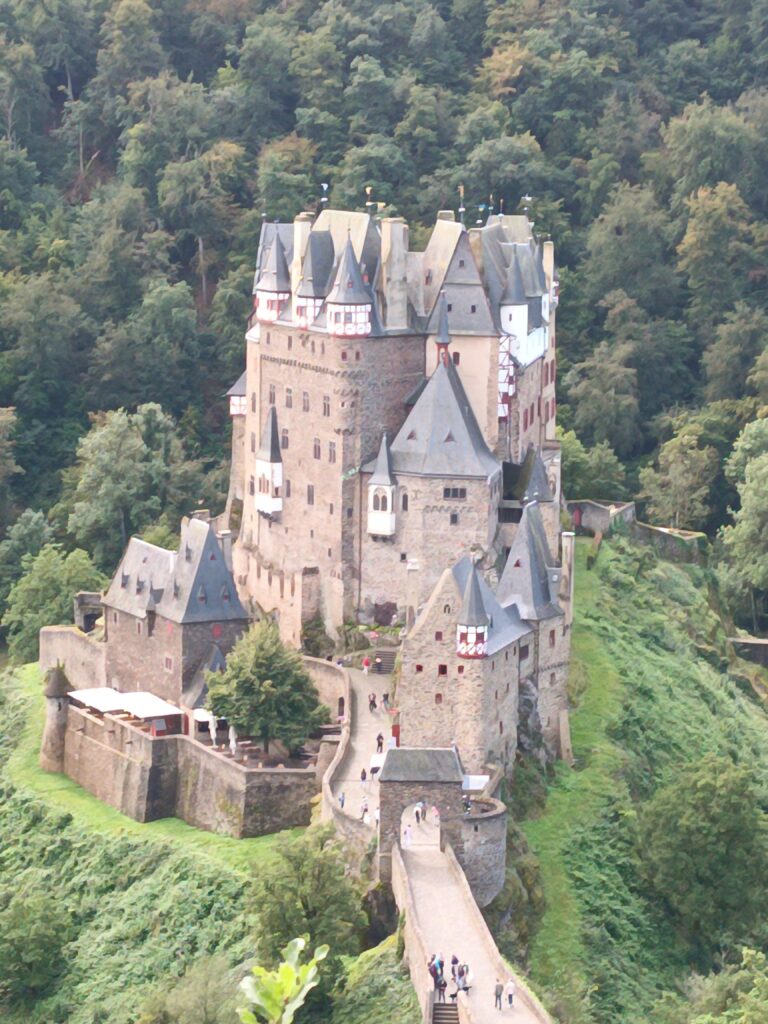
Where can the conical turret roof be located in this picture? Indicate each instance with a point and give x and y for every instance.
(525, 581)
(349, 287)
(269, 450)
(275, 277)
(473, 611)
(514, 289)
(382, 471)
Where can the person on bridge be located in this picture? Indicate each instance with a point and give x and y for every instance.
(498, 992)
(509, 988)
(342, 798)
(377, 663)
(366, 665)
(407, 837)
(454, 965)
(442, 985)
(380, 744)
(371, 702)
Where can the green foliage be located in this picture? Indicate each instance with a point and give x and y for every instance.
(376, 989)
(28, 535)
(275, 996)
(265, 690)
(34, 929)
(590, 472)
(678, 490)
(308, 892)
(704, 849)
(204, 995)
(737, 995)
(43, 596)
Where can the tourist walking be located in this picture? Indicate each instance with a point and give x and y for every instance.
(385, 701)
(509, 988)
(442, 985)
(433, 971)
(342, 798)
(454, 965)
(377, 663)
(380, 744)
(377, 816)
(371, 702)
(407, 837)
(366, 665)
(363, 777)
(418, 815)
(498, 992)
(363, 810)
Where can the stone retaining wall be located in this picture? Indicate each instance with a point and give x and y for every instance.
(82, 657)
(416, 953)
(484, 859)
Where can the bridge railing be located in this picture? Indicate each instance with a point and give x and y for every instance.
(417, 954)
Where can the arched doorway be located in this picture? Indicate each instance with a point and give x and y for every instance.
(340, 711)
(420, 826)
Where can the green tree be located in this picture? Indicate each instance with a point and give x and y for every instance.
(23, 97)
(738, 994)
(274, 997)
(703, 848)
(751, 443)
(590, 472)
(34, 928)
(43, 596)
(285, 177)
(603, 391)
(678, 491)
(738, 343)
(308, 891)
(265, 690)
(202, 996)
(744, 543)
(27, 537)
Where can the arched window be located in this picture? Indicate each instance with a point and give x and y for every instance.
(376, 502)
(380, 501)
(383, 503)
(404, 501)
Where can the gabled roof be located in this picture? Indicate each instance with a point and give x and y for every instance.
(441, 436)
(525, 581)
(382, 471)
(537, 486)
(348, 286)
(473, 611)
(275, 276)
(238, 388)
(422, 764)
(269, 449)
(317, 267)
(192, 584)
(56, 682)
(442, 335)
(469, 310)
(514, 289)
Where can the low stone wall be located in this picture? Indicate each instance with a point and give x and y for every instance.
(148, 777)
(600, 516)
(484, 858)
(523, 995)
(416, 953)
(83, 658)
(676, 545)
(332, 684)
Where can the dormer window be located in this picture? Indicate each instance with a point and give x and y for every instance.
(201, 595)
(175, 589)
(412, 436)
(224, 594)
(124, 580)
(187, 553)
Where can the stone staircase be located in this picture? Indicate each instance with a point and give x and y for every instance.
(387, 655)
(445, 1013)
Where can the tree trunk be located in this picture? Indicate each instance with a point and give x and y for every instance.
(123, 530)
(754, 610)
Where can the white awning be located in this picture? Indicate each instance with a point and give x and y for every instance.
(139, 704)
(201, 715)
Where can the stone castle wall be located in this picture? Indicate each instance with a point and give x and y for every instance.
(82, 658)
(148, 777)
(484, 834)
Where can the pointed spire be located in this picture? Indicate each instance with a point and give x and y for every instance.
(349, 287)
(382, 471)
(269, 450)
(275, 277)
(514, 289)
(473, 611)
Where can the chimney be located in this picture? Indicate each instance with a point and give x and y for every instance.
(548, 259)
(225, 542)
(394, 261)
(302, 225)
(567, 542)
(446, 215)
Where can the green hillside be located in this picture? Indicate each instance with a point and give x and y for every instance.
(658, 694)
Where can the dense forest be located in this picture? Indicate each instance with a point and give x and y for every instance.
(144, 142)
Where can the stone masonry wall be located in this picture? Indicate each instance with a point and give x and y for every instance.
(485, 849)
(425, 542)
(395, 797)
(137, 661)
(554, 643)
(82, 657)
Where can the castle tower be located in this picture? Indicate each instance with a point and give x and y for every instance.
(381, 494)
(273, 288)
(349, 302)
(269, 469)
(56, 707)
(472, 627)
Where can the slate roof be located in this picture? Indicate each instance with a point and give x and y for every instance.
(473, 611)
(442, 335)
(469, 310)
(441, 436)
(348, 286)
(422, 764)
(514, 289)
(269, 232)
(525, 581)
(537, 487)
(275, 276)
(317, 266)
(382, 472)
(269, 449)
(238, 389)
(527, 481)
(192, 584)
(505, 625)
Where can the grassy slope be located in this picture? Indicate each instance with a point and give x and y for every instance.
(377, 990)
(648, 648)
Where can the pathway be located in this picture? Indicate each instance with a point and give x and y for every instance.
(365, 727)
(449, 926)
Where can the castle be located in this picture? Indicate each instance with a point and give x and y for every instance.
(394, 453)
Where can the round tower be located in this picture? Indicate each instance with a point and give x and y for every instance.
(57, 687)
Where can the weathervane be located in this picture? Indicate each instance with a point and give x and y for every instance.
(462, 207)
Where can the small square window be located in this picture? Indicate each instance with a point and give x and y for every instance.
(461, 264)
(403, 556)
(501, 727)
(460, 670)
(456, 358)
(449, 306)
(551, 638)
(439, 635)
(344, 357)
(349, 513)
(419, 668)
(438, 698)
(454, 519)
(442, 670)
(473, 309)
(168, 664)
(523, 652)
